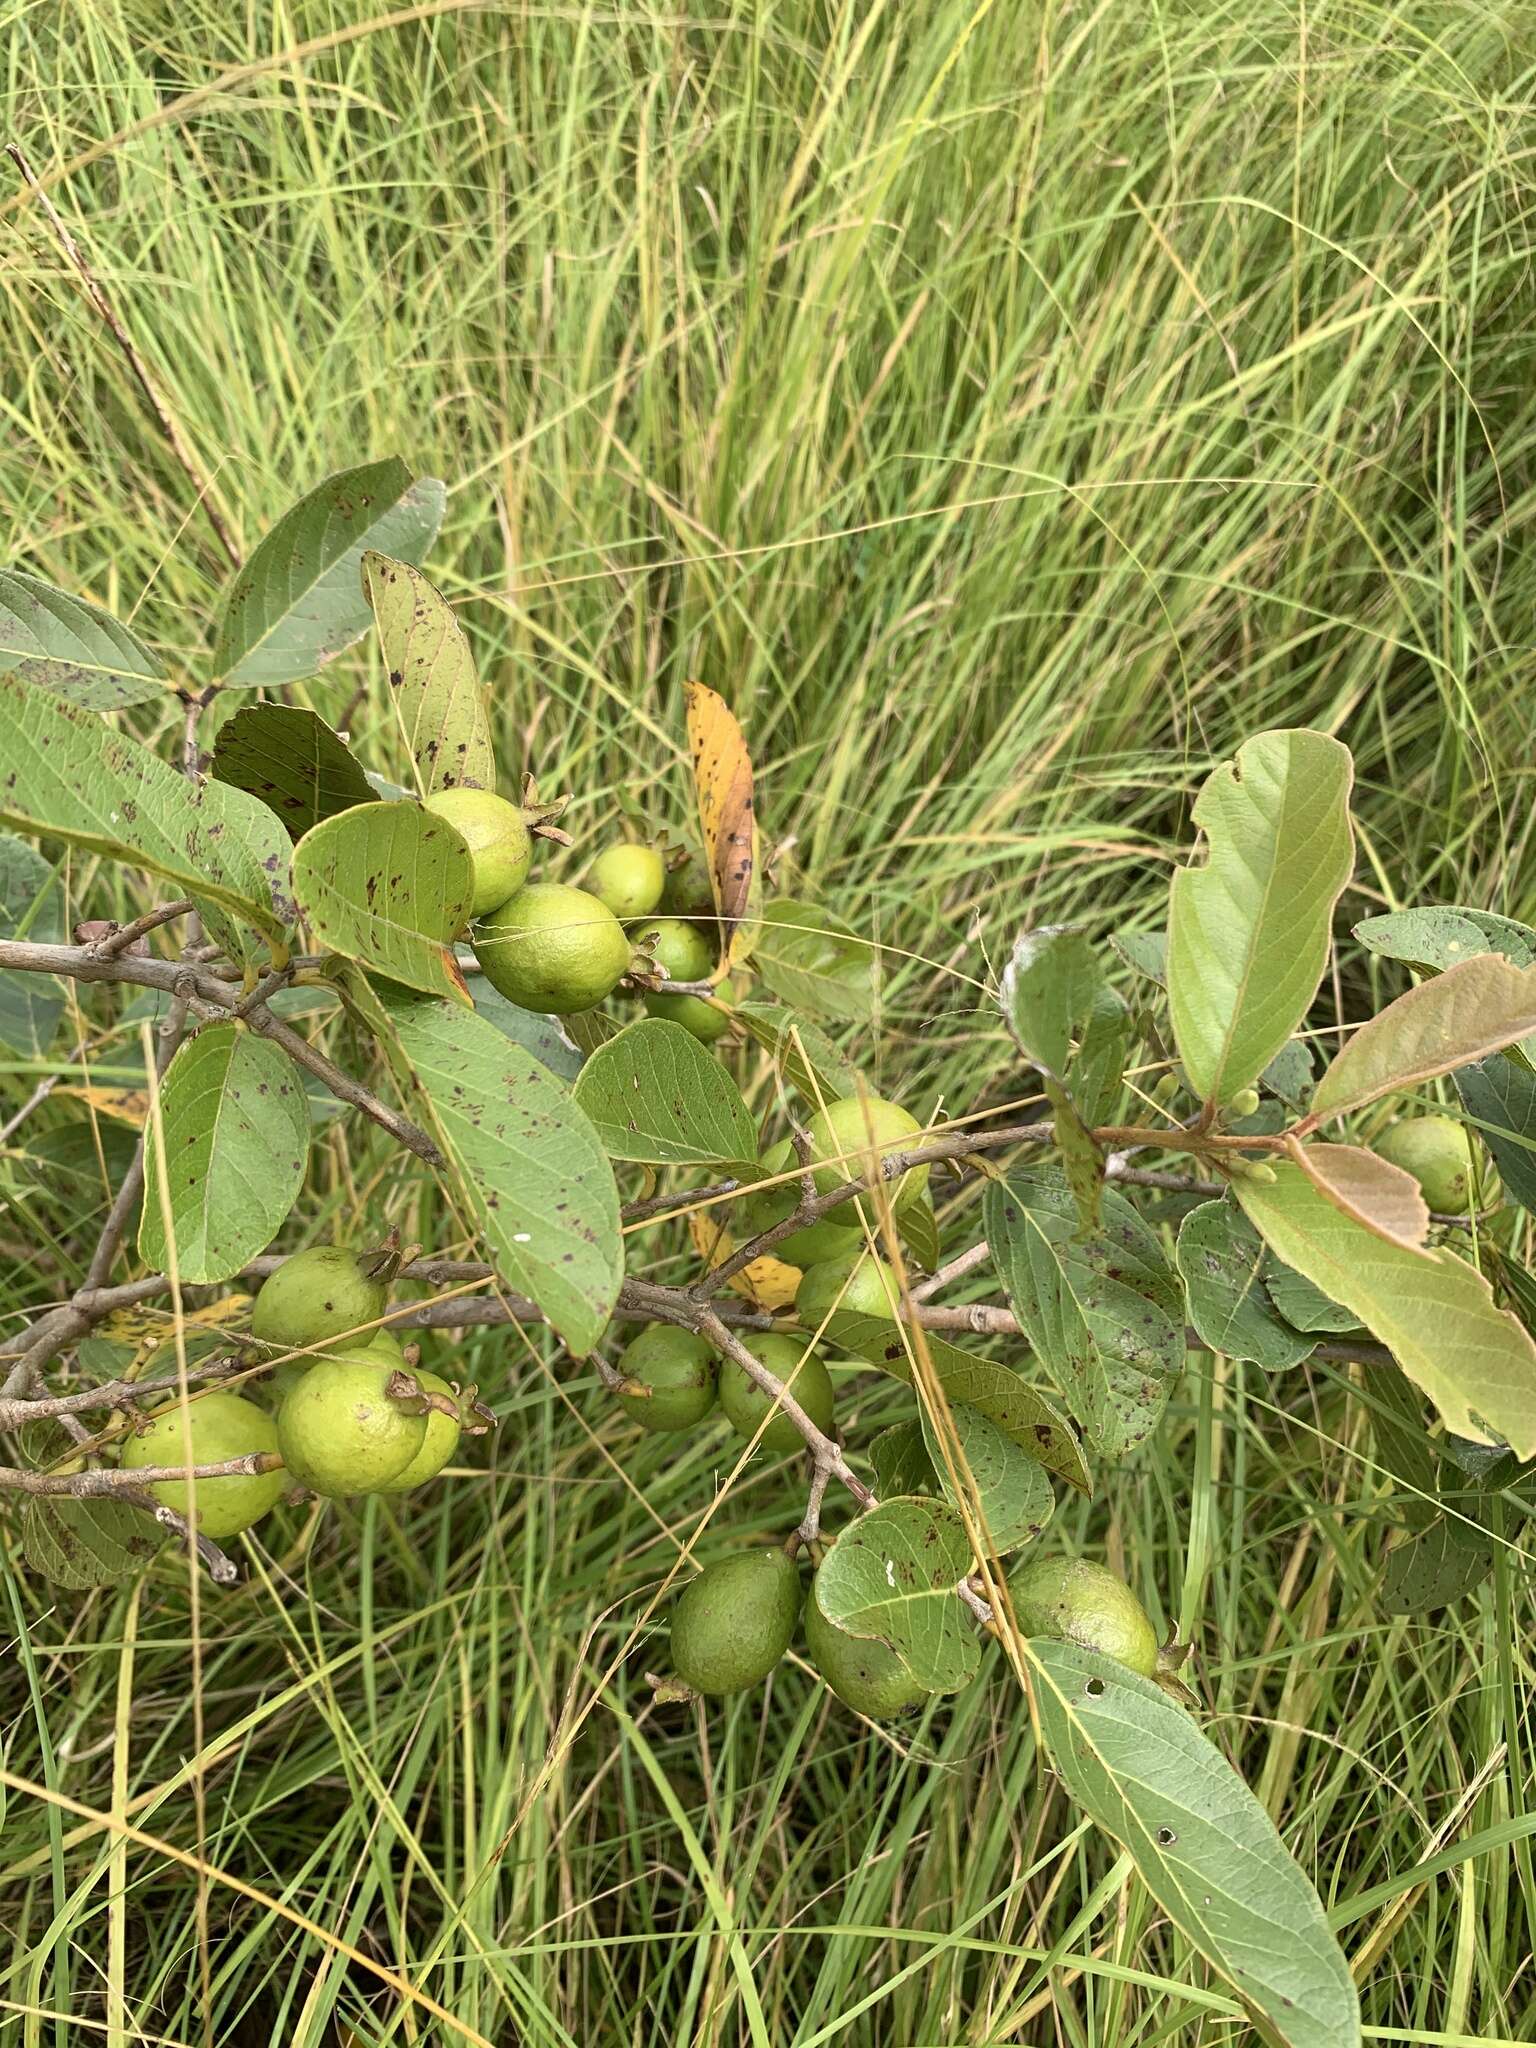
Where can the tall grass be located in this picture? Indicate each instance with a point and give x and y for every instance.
(1009, 408)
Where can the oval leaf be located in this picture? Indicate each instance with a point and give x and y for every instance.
(1434, 939)
(1248, 931)
(809, 1061)
(722, 781)
(1007, 1491)
(1433, 1311)
(292, 762)
(1206, 1850)
(1372, 1190)
(1221, 1257)
(891, 1577)
(901, 1461)
(388, 885)
(72, 649)
(437, 696)
(236, 1127)
(1500, 1098)
(299, 599)
(1048, 989)
(813, 961)
(654, 1094)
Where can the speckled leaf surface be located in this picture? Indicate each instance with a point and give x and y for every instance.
(1222, 1259)
(30, 1004)
(388, 885)
(439, 706)
(84, 1543)
(528, 1163)
(65, 774)
(291, 760)
(1009, 1493)
(891, 1577)
(722, 781)
(235, 1119)
(73, 649)
(299, 599)
(1022, 1412)
(655, 1095)
(1441, 937)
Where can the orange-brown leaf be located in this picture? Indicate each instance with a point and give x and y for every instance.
(1371, 1190)
(722, 780)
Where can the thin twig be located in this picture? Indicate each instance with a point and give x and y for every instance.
(126, 935)
(123, 1479)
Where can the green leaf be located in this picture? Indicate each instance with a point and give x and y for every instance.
(1008, 1491)
(532, 1170)
(1105, 1312)
(299, 599)
(73, 649)
(1304, 1306)
(1020, 1411)
(901, 1461)
(1081, 1161)
(812, 1064)
(1097, 1073)
(543, 1036)
(1221, 1257)
(68, 775)
(920, 1228)
(85, 1543)
(654, 1094)
(1434, 939)
(891, 1577)
(291, 760)
(1461, 1016)
(30, 1004)
(814, 961)
(437, 696)
(1048, 988)
(388, 885)
(1435, 1567)
(236, 1126)
(1289, 1074)
(1500, 1098)
(1205, 1848)
(1433, 1311)
(1248, 931)
(1146, 952)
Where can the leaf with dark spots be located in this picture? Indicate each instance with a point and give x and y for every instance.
(73, 649)
(387, 885)
(656, 1096)
(438, 700)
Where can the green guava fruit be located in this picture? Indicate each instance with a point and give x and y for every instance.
(438, 1444)
(866, 1675)
(317, 1300)
(222, 1425)
(734, 1622)
(681, 1371)
(687, 891)
(746, 1405)
(871, 1290)
(852, 1134)
(341, 1432)
(680, 950)
(383, 1345)
(703, 1019)
(496, 833)
(552, 949)
(807, 1246)
(629, 879)
(1437, 1151)
(1081, 1601)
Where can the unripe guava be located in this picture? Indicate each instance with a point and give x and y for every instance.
(552, 949)
(496, 833)
(694, 1013)
(1437, 1151)
(383, 1345)
(438, 1444)
(680, 950)
(746, 1404)
(1244, 1103)
(681, 1371)
(341, 1432)
(629, 879)
(808, 1245)
(687, 891)
(871, 1289)
(866, 1675)
(734, 1622)
(222, 1425)
(1084, 1603)
(317, 1300)
(852, 1134)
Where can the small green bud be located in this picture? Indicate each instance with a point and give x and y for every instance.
(1164, 1089)
(1244, 1103)
(1255, 1171)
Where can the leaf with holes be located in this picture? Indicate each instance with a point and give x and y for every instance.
(235, 1122)
(813, 961)
(722, 782)
(891, 1577)
(299, 599)
(388, 885)
(1221, 1257)
(1205, 1848)
(73, 649)
(437, 696)
(1434, 939)
(291, 760)
(85, 1543)
(30, 1004)
(655, 1095)
(1008, 1492)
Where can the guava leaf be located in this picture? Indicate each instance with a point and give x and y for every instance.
(1082, 1163)
(654, 1094)
(299, 599)
(1009, 1492)
(436, 694)
(813, 961)
(1372, 1190)
(901, 1461)
(1304, 1306)
(1021, 1411)
(811, 1063)
(1435, 1567)
(1248, 931)
(30, 1004)
(919, 1228)
(1146, 952)
(1500, 1098)
(1221, 1257)
(1097, 1073)
(290, 759)
(236, 1129)
(85, 1543)
(69, 776)
(891, 1577)
(1433, 1311)
(1048, 989)
(1434, 939)
(529, 1166)
(388, 885)
(73, 649)
(1206, 1850)
(722, 782)
(1460, 1016)
(1289, 1074)
(1104, 1311)
(543, 1036)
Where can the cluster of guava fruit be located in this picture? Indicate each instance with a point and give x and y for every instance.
(348, 1410)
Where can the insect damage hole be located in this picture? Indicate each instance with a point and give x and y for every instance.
(1166, 1837)
(1095, 1688)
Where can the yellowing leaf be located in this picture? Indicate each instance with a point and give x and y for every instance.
(1433, 1311)
(123, 1105)
(768, 1283)
(1372, 1190)
(722, 780)
(143, 1324)
(1462, 1015)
